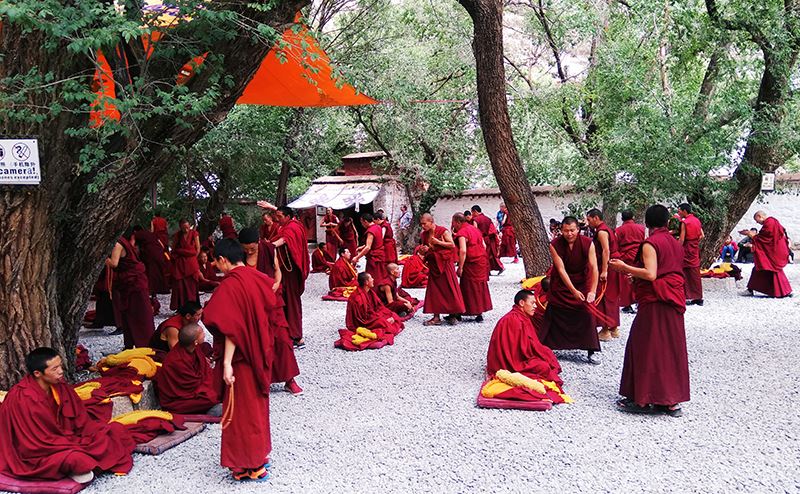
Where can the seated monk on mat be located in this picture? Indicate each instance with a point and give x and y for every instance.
(365, 310)
(166, 335)
(208, 272)
(415, 271)
(184, 382)
(396, 299)
(321, 261)
(342, 272)
(46, 434)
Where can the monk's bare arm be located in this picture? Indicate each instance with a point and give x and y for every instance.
(593, 273)
(447, 240)
(650, 269)
(562, 273)
(602, 237)
(462, 254)
(388, 292)
(277, 243)
(116, 254)
(227, 367)
(197, 245)
(365, 249)
(682, 238)
(278, 275)
(172, 336)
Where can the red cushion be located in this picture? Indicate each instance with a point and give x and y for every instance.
(160, 444)
(63, 486)
(537, 405)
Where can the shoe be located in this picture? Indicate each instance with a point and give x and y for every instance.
(604, 335)
(257, 474)
(268, 463)
(451, 320)
(83, 478)
(592, 358)
(673, 411)
(615, 333)
(115, 332)
(479, 318)
(299, 344)
(293, 388)
(628, 309)
(698, 302)
(501, 271)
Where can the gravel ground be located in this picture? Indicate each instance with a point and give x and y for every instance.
(404, 419)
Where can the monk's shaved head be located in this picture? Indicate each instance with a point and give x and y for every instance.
(459, 218)
(760, 216)
(392, 266)
(189, 334)
(426, 217)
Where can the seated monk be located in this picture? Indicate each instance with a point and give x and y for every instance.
(166, 335)
(46, 434)
(321, 261)
(208, 272)
(415, 272)
(365, 310)
(184, 382)
(396, 299)
(515, 347)
(343, 273)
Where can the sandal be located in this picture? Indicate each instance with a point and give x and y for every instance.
(257, 474)
(432, 322)
(672, 411)
(626, 405)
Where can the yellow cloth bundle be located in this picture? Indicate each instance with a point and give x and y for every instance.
(366, 333)
(519, 380)
(348, 291)
(84, 391)
(494, 388)
(359, 340)
(125, 356)
(146, 366)
(135, 416)
(529, 283)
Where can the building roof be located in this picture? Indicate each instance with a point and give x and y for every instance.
(370, 154)
(354, 179)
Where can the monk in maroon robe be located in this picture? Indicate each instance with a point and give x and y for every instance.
(490, 239)
(364, 309)
(508, 240)
(389, 245)
(568, 323)
(185, 269)
(342, 272)
(321, 262)
(443, 295)
(655, 374)
(268, 229)
(770, 256)
(690, 236)
(393, 297)
(515, 347)
(208, 273)
(630, 236)
(332, 241)
(238, 317)
(103, 314)
(152, 254)
(130, 293)
(348, 236)
(46, 434)
(372, 249)
(415, 272)
(605, 246)
(473, 268)
(159, 226)
(226, 226)
(185, 381)
(166, 334)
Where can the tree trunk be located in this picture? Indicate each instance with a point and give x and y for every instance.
(487, 18)
(283, 182)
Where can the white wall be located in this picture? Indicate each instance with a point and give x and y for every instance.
(784, 206)
(550, 206)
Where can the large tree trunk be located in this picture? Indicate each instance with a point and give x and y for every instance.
(57, 235)
(487, 18)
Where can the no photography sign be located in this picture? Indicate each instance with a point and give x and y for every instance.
(19, 162)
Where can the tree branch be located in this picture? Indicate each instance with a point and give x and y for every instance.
(750, 27)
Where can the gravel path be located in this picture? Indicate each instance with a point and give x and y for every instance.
(404, 419)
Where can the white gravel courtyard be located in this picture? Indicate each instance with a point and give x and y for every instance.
(403, 418)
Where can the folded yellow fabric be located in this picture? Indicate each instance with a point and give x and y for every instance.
(366, 333)
(137, 415)
(529, 283)
(519, 380)
(125, 356)
(494, 388)
(84, 391)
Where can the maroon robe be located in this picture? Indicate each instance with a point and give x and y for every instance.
(47, 438)
(389, 245)
(185, 382)
(185, 269)
(396, 305)
(152, 254)
(415, 272)
(320, 261)
(331, 238)
(209, 272)
(630, 236)
(508, 243)
(656, 367)
(489, 233)
(103, 314)
(131, 298)
(227, 228)
(294, 263)
(160, 226)
(515, 347)
(691, 257)
(568, 325)
(342, 274)
(770, 256)
(474, 282)
(159, 340)
(239, 310)
(364, 309)
(349, 237)
(443, 295)
(376, 257)
(609, 303)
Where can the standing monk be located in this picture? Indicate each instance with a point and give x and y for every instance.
(508, 242)
(226, 226)
(770, 255)
(158, 225)
(605, 246)
(373, 249)
(568, 324)
(130, 293)
(489, 232)
(268, 229)
(690, 236)
(443, 295)
(152, 253)
(630, 236)
(348, 235)
(655, 375)
(238, 317)
(473, 268)
(185, 268)
(330, 223)
(389, 245)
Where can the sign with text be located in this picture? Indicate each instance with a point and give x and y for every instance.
(19, 162)
(768, 182)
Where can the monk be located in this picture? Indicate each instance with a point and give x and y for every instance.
(372, 249)
(490, 239)
(342, 272)
(473, 268)
(655, 374)
(415, 272)
(332, 241)
(260, 255)
(690, 236)
(365, 310)
(46, 434)
(320, 260)
(130, 292)
(515, 347)
(468, 216)
(268, 229)
(508, 241)
(185, 269)
(103, 307)
(152, 255)
(389, 245)
(238, 317)
(158, 225)
(393, 297)
(226, 226)
(165, 336)
(443, 295)
(208, 272)
(770, 255)
(605, 246)
(568, 324)
(630, 236)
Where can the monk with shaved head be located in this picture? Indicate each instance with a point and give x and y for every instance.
(443, 294)
(393, 297)
(770, 255)
(473, 268)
